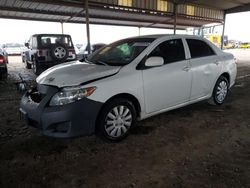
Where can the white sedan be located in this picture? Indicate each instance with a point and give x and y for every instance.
(129, 80)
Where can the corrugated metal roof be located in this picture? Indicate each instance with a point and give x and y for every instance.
(141, 13)
(220, 4)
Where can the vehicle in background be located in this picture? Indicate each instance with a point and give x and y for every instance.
(231, 44)
(128, 80)
(216, 39)
(3, 63)
(79, 46)
(14, 48)
(47, 50)
(245, 45)
(211, 33)
(77, 50)
(83, 52)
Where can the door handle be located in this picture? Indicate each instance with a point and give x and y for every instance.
(186, 68)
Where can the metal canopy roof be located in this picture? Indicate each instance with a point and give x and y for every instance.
(226, 5)
(140, 13)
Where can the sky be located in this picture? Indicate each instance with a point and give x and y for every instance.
(237, 28)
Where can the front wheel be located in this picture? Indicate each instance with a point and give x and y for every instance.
(116, 119)
(36, 68)
(220, 91)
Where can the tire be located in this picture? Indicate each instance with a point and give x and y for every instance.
(59, 52)
(116, 119)
(220, 91)
(27, 65)
(36, 67)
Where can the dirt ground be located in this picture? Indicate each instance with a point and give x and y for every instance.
(195, 146)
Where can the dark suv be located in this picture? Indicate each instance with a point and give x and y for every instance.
(47, 50)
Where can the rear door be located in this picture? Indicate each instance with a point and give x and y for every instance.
(28, 52)
(32, 48)
(170, 84)
(205, 67)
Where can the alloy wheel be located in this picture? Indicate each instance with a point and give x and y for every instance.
(118, 121)
(60, 52)
(221, 91)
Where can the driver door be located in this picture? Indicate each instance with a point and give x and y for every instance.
(168, 85)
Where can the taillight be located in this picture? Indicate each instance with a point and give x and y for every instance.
(2, 60)
(72, 51)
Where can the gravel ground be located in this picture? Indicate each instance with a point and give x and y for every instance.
(195, 146)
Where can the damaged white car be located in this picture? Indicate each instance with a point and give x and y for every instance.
(128, 80)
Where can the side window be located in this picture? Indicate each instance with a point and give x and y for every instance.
(34, 42)
(199, 48)
(171, 51)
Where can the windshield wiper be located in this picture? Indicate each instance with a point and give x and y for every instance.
(98, 62)
(101, 63)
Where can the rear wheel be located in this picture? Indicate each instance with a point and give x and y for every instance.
(36, 67)
(27, 65)
(220, 91)
(116, 119)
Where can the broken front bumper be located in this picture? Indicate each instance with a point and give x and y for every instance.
(71, 120)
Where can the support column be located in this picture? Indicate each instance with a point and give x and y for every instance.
(175, 17)
(223, 32)
(139, 30)
(87, 25)
(62, 28)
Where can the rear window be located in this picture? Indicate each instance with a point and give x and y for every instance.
(48, 40)
(199, 48)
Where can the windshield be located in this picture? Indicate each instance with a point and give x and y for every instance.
(120, 53)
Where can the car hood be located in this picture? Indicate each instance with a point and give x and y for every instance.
(75, 73)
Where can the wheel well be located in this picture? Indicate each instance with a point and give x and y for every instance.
(227, 76)
(127, 96)
(130, 97)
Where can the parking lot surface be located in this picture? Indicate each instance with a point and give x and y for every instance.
(195, 146)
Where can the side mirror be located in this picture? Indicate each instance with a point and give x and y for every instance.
(26, 44)
(154, 61)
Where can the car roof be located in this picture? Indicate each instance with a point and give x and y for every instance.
(47, 34)
(157, 36)
(172, 36)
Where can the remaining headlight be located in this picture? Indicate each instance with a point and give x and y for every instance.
(69, 95)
